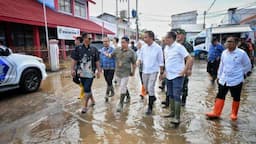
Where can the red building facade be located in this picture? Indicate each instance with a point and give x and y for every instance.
(22, 25)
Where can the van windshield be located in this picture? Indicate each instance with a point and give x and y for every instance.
(199, 40)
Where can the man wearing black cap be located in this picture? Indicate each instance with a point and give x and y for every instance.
(181, 38)
(86, 58)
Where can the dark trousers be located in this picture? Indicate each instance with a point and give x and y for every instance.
(234, 90)
(184, 90)
(185, 87)
(174, 88)
(212, 68)
(109, 75)
(141, 78)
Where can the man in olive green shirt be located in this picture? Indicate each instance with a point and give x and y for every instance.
(181, 38)
(125, 67)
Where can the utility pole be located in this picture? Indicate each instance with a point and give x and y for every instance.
(117, 19)
(128, 29)
(208, 11)
(204, 19)
(137, 21)
(102, 27)
(46, 32)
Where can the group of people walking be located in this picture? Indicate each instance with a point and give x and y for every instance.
(173, 64)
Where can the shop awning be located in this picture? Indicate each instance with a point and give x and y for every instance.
(31, 12)
(231, 29)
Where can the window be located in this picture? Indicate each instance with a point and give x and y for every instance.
(80, 8)
(2, 33)
(65, 6)
(22, 37)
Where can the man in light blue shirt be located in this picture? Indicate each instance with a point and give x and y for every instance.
(234, 64)
(151, 58)
(108, 66)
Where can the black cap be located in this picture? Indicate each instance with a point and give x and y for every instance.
(179, 31)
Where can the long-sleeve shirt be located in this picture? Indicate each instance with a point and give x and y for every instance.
(152, 58)
(105, 62)
(233, 66)
(215, 52)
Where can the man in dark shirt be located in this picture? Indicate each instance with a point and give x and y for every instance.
(86, 60)
(244, 46)
(134, 48)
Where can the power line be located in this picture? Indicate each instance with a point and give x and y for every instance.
(224, 11)
(211, 6)
(165, 18)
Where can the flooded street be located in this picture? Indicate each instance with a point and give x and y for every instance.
(52, 115)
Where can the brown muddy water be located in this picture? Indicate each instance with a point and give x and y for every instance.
(52, 115)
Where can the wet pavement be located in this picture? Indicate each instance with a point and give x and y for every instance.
(52, 115)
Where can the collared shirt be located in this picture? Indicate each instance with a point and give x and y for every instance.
(215, 52)
(233, 66)
(105, 62)
(86, 58)
(151, 58)
(124, 60)
(174, 60)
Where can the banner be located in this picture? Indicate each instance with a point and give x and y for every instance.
(67, 33)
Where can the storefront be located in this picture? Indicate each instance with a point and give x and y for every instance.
(22, 25)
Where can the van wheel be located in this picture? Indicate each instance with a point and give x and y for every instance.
(30, 80)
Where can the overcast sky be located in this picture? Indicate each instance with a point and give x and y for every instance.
(156, 14)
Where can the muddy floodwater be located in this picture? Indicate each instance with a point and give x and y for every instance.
(52, 115)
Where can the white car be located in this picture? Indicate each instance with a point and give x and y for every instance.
(20, 71)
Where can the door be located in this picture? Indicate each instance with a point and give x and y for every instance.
(7, 70)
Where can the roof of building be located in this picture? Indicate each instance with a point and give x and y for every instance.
(249, 19)
(231, 29)
(185, 13)
(31, 12)
(111, 15)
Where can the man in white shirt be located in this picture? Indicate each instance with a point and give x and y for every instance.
(151, 58)
(175, 56)
(234, 64)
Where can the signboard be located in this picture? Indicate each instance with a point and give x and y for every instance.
(67, 33)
